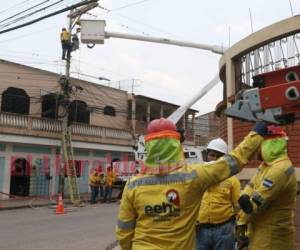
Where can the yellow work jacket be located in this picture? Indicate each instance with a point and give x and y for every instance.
(94, 180)
(273, 195)
(159, 212)
(110, 178)
(220, 202)
(65, 36)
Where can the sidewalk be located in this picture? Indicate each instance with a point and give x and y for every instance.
(31, 202)
(24, 203)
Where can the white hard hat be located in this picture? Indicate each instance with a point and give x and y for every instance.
(218, 145)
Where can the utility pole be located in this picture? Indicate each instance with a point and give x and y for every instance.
(66, 142)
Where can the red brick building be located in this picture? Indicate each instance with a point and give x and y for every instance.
(272, 48)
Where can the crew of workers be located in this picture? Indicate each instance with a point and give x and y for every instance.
(174, 205)
(98, 181)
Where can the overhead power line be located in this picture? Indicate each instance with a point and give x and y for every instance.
(21, 12)
(49, 15)
(30, 14)
(129, 5)
(14, 6)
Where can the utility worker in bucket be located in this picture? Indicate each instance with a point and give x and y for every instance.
(219, 206)
(268, 200)
(159, 207)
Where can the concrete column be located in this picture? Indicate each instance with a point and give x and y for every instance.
(6, 177)
(161, 110)
(54, 170)
(230, 90)
(184, 121)
(133, 115)
(148, 111)
(193, 123)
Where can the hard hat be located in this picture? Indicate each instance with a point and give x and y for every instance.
(275, 132)
(218, 145)
(161, 124)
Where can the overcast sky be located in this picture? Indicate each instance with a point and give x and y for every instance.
(170, 73)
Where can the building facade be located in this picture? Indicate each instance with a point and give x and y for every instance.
(207, 127)
(30, 130)
(105, 123)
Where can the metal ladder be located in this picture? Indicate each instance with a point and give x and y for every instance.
(70, 165)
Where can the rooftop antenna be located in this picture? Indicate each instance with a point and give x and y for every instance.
(251, 21)
(291, 6)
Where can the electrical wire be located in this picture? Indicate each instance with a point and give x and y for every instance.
(30, 14)
(138, 22)
(129, 5)
(14, 6)
(29, 34)
(47, 16)
(21, 12)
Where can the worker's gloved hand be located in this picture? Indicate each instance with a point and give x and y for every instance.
(245, 204)
(261, 128)
(241, 238)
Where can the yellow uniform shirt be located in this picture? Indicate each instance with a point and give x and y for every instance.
(65, 36)
(110, 178)
(220, 202)
(272, 191)
(94, 180)
(160, 212)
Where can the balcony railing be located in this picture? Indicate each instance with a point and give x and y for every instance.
(11, 120)
(55, 126)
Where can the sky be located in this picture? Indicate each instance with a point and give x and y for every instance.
(170, 73)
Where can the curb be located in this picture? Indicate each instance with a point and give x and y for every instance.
(25, 206)
(30, 205)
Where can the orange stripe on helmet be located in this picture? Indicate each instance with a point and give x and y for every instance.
(275, 132)
(162, 134)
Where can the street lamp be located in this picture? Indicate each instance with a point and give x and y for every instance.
(95, 77)
(103, 79)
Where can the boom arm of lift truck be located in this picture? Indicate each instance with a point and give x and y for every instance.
(177, 114)
(93, 31)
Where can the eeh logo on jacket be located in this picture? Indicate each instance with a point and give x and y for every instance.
(173, 197)
(166, 210)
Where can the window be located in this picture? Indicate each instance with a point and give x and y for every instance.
(109, 110)
(49, 106)
(129, 117)
(15, 100)
(79, 112)
(78, 169)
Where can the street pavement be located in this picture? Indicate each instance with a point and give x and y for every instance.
(90, 228)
